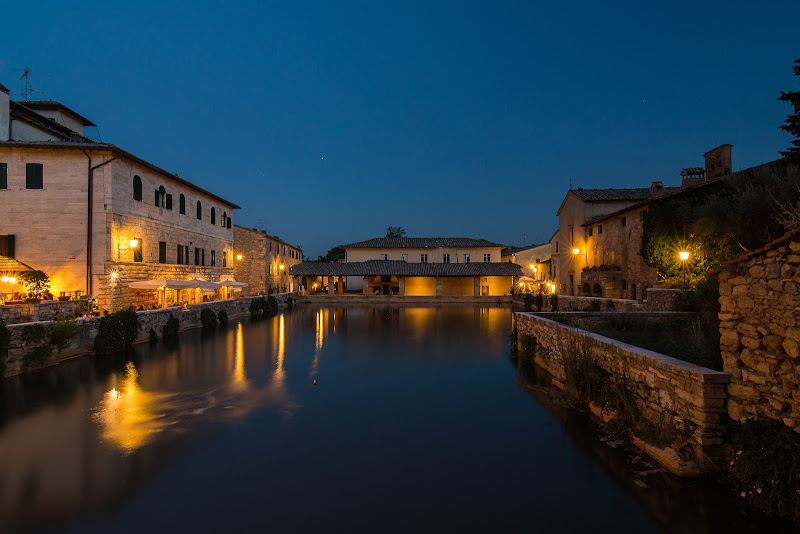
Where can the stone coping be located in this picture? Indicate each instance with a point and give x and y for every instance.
(668, 363)
(645, 313)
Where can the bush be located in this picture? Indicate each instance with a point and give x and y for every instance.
(594, 306)
(153, 336)
(290, 303)
(170, 330)
(765, 464)
(553, 302)
(33, 333)
(119, 306)
(63, 331)
(222, 316)
(208, 319)
(538, 300)
(37, 282)
(528, 302)
(116, 332)
(271, 306)
(35, 358)
(257, 307)
(610, 305)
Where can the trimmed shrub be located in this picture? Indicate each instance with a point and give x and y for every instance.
(528, 302)
(289, 303)
(63, 331)
(553, 302)
(594, 306)
(271, 306)
(538, 300)
(222, 316)
(35, 358)
(610, 305)
(116, 332)
(208, 319)
(33, 333)
(153, 336)
(5, 342)
(169, 332)
(257, 307)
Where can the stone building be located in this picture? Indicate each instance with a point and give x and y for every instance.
(264, 261)
(95, 217)
(535, 263)
(760, 331)
(417, 266)
(596, 249)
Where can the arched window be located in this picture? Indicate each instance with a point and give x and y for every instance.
(199, 210)
(182, 202)
(137, 188)
(224, 218)
(161, 196)
(213, 216)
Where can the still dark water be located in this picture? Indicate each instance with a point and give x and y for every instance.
(419, 422)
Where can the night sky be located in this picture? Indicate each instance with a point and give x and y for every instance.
(329, 121)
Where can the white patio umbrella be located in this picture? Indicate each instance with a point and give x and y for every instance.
(206, 286)
(233, 284)
(161, 283)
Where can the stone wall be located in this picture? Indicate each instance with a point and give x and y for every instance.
(262, 257)
(760, 332)
(155, 319)
(600, 320)
(29, 312)
(659, 299)
(692, 396)
(568, 304)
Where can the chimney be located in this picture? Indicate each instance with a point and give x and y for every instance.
(5, 123)
(692, 176)
(656, 189)
(718, 161)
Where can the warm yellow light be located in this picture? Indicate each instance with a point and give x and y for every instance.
(576, 251)
(113, 275)
(5, 279)
(238, 256)
(281, 267)
(12, 280)
(532, 266)
(521, 284)
(684, 255)
(133, 243)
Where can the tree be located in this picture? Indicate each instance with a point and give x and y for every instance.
(395, 231)
(334, 254)
(792, 125)
(37, 283)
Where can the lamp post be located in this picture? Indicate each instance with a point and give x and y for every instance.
(684, 255)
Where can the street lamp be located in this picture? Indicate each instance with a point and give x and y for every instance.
(684, 255)
(239, 257)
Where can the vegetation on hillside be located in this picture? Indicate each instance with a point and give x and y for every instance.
(792, 122)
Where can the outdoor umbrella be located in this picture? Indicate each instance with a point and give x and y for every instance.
(206, 286)
(160, 283)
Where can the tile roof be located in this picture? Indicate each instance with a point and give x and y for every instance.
(422, 242)
(52, 104)
(403, 268)
(594, 195)
(4, 88)
(19, 111)
(693, 170)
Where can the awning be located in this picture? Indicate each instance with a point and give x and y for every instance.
(233, 284)
(160, 283)
(205, 285)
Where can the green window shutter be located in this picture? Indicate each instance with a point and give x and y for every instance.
(162, 252)
(169, 201)
(3, 175)
(34, 173)
(158, 200)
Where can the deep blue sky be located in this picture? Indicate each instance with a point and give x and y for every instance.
(329, 121)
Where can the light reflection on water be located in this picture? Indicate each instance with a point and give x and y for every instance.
(417, 417)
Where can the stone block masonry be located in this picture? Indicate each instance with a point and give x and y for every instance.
(760, 332)
(691, 396)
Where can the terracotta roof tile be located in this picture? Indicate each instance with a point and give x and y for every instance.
(422, 242)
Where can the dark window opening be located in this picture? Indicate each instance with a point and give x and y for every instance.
(197, 256)
(213, 258)
(229, 222)
(169, 201)
(182, 204)
(624, 221)
(34, 176)
(7, 244)
(137, 251)
(180, 255)
(186, 254)
(162, 252)
(199, 210)
(600, 229)
(137, 188)
(202, 256)
(213, 216)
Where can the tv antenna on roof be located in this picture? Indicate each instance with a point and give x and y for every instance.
(24, 76)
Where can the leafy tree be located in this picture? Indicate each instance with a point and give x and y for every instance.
(792, 125)
(395, 231)
(37, 282)
(334, 254)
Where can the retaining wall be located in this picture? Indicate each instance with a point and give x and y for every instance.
(83, 343)
(398, 300)
(693, 396)
(29, 312)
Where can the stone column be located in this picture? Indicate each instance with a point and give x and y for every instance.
(341, 285)
(438, 286)
(477, 288)
(296, 284)
(331, 289)
(365, 282)
(402, 286)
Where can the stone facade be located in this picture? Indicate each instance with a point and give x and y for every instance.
(690, 395)
(760, 332)
(31, 312)
(265, 262)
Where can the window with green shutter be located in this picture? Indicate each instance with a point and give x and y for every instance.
(3, 175)
(162, 252)
(34, 176)
(7, 243)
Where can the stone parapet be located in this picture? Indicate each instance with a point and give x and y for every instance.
(29, 312)
(690, 395)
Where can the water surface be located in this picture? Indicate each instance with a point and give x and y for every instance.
(419, 421)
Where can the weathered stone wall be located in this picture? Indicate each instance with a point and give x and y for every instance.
(568, 304)
(760, 333)
(659, 299)
(30, 312)
(600, 320)
(155, 319)
(689, 394)
(262, 257)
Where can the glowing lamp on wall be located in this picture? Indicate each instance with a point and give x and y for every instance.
(282, 267)
(576, 251)
(239, 257)
(133, 243)
(684, 255)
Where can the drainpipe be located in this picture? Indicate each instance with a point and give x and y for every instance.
(90, 179)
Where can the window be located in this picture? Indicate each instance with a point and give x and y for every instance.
(229, 222)
(202, 256)
(138, 255)
(556, 247)
(34, 173)
(199, 210)
(487, 258)
(600, 229)
(161, 197)
(213, 258)
(162, 252)
(137, 188)
(224, 259)
(423, 258)
(3, 175)
(590, 231)
(197, 256)
(182, 204)
(383, 256)
(180, 255)
(224, 219)
(169, 201)
(270, 246)
(404, 257)
(186, 254)
(624, 221)
(466, 258)
(7, 245)
(213, 216)
(571, 236)
(445, 258)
